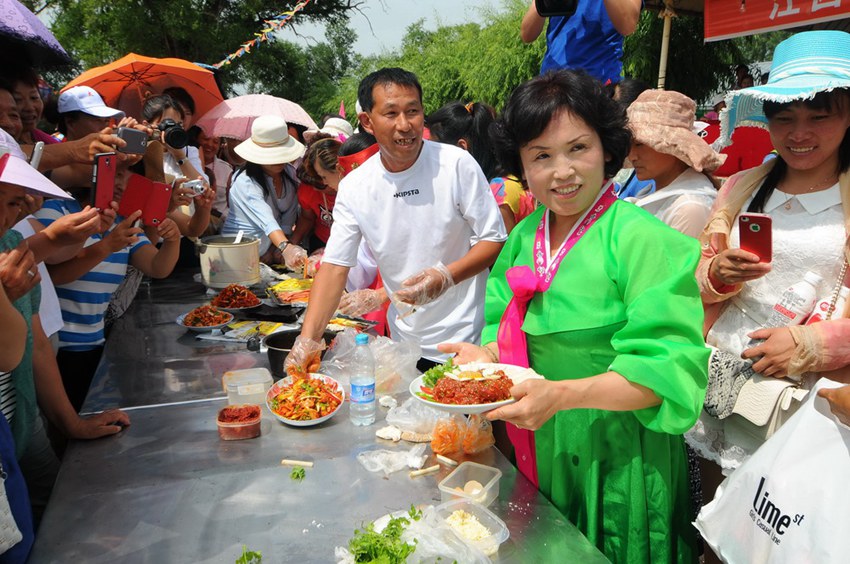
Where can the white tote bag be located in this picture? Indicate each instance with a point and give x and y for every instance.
(790, 502)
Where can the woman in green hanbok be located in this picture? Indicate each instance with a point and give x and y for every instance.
(599, 297)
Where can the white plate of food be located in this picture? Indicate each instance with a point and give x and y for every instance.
(204, 319)
(471, 388)
(320, 399)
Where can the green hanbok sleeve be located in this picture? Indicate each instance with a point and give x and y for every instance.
(661, 345)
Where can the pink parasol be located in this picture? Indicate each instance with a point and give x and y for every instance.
(233, 118)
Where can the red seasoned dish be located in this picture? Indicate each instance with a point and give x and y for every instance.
(239, 422)
(469, 392)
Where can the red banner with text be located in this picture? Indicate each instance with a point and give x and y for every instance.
(736, 18)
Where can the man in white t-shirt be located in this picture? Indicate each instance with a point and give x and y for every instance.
(426, 212)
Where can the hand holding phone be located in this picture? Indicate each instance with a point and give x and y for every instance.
(755, 231)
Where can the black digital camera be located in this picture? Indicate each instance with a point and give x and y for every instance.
(173, 133)
(548, 8)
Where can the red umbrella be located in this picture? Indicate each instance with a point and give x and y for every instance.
(233, 118)
(127, 82)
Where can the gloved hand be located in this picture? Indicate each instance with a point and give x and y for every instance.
(304, 357)
(313, 263)
(362, 301)
(294, 256)
(426, 286)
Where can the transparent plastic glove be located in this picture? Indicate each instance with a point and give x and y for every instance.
(359, 302)
(294, 256)
(313, 264)
(304, 358)
(426, 286)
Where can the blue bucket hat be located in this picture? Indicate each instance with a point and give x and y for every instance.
(804, 65)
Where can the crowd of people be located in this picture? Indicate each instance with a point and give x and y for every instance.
(587, 231)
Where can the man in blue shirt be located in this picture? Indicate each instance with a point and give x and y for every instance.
(591, 39)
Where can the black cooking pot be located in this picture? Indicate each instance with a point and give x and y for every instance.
(279, 345)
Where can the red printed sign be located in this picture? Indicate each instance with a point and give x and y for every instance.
(736, 18)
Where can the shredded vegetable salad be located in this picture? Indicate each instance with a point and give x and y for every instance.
(206, 316)
(235, 296)
(306, 399)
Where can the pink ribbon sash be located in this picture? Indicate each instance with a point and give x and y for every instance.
(524, 283)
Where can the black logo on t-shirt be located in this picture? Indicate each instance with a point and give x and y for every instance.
(406, 193)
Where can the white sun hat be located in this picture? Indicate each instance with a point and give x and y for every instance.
(270, 143)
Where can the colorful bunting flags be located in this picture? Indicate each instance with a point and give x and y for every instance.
(272, 25)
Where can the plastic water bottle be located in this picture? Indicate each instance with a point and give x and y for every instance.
(821, 310)
(794, 306)
(796, 303)
(363, 383)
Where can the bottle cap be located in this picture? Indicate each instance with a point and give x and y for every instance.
(361, 339)
(812, 278)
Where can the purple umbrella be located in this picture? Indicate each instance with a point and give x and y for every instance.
(23, 34)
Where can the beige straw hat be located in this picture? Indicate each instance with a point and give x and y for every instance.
(664, 120)
(270, 143)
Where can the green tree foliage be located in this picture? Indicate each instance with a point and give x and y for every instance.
(307, 75)
(471, 62)
(485, 61)
(96, 32)
(694, 68)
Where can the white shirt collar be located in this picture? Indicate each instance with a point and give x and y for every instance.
(813, 203)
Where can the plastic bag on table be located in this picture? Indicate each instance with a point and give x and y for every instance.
(447, 436)
(414, 416)
(395, 362)
(388, 461)
(437, 542)
(478, 435)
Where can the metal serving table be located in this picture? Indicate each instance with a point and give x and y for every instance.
(167, 489)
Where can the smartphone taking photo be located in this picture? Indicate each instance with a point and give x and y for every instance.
(103, 179)
(137, 141)
(152, 198)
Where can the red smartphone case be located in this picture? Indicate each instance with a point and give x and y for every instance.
(755, 232)
(152, 198)
(157, 204)
(135, 195)
(103, 178)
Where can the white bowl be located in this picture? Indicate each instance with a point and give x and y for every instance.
(275, 389)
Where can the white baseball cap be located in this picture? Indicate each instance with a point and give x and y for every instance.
(87, 100)
(14, 169)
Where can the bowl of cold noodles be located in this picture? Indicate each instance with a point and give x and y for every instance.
(204, 318)
(302, 402)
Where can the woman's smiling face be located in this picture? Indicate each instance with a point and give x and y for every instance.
(565, 166)
(30, 105)
(808, 139)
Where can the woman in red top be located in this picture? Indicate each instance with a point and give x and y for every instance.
(317, 193)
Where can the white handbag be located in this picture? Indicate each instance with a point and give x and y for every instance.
(763, 405)
(788, 502)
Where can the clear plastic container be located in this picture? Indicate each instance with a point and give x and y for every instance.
(499, 532)
(247, 386)
(461, 483)
(237, 422)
